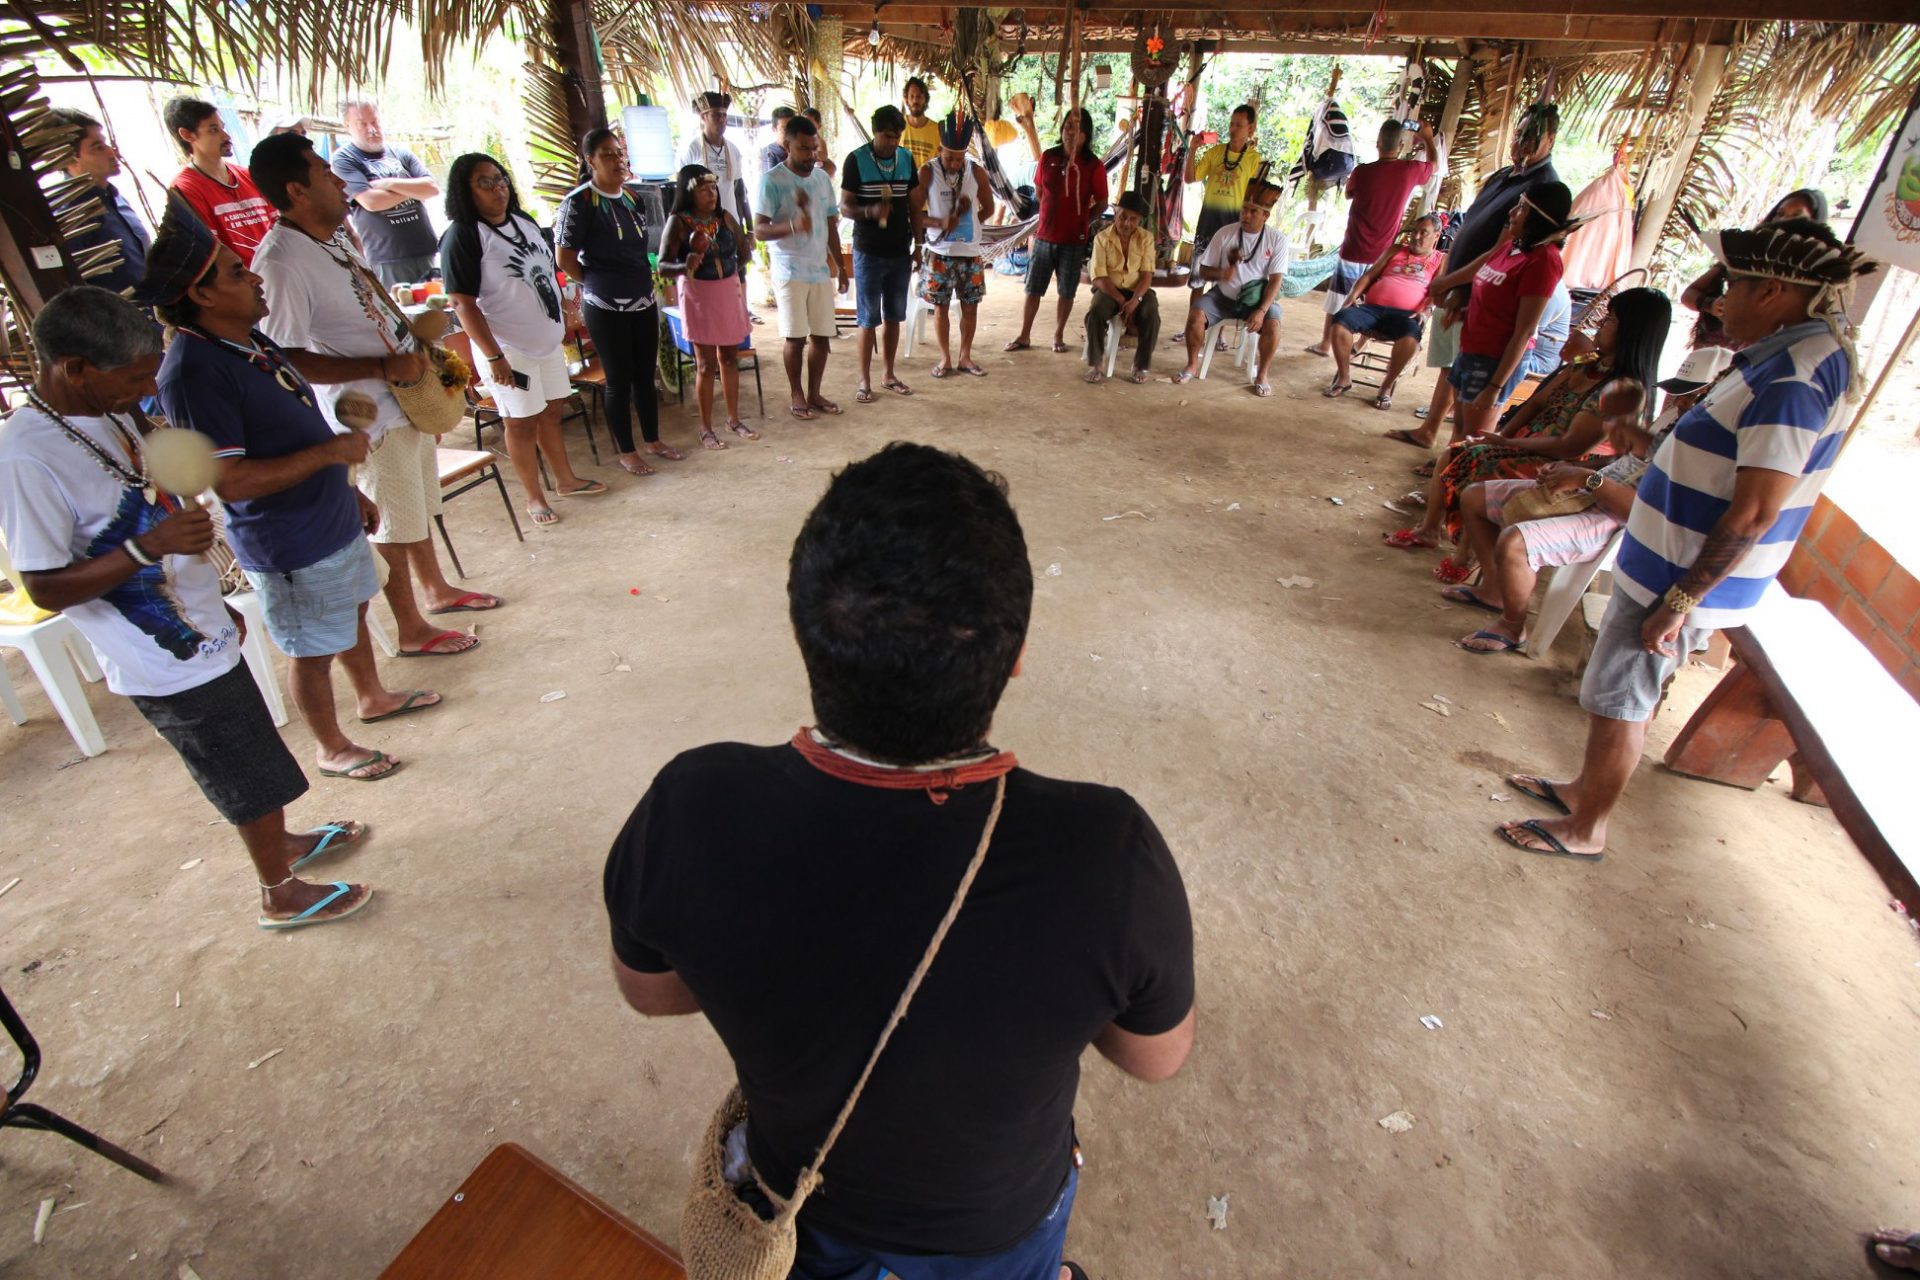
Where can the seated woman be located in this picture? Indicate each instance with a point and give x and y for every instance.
(1392, 301)
(1557, 424)
(1511, 560)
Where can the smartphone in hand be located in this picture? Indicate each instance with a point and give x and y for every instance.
(521, 380)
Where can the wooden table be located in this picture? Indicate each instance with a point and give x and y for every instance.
(518, 1218)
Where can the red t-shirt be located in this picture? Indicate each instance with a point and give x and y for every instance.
(1064, 187)
(1378, 195)
(239, 216)
(1502, 281)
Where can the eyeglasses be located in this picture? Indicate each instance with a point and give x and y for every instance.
(492, 184)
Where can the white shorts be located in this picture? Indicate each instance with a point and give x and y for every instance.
(806, 308)
(402, 477)
(547, 381)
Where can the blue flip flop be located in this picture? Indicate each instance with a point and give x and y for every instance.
(328, 833)
(311, 915)
(1554, 848)
(1507, 644)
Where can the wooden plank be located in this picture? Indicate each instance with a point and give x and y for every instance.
(1337, 31)
(518, 1218)
(1254, 14)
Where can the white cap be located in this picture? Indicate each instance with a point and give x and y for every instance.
(1702, 366)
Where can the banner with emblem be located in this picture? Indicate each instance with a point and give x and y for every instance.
(1888, 227)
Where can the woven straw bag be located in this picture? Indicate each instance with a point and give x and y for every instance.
(436, 401)
(1538, 503)
(721, 1237)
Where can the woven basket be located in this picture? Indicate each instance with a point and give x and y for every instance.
(1538, 504)
(721, 1237)
(435, 403)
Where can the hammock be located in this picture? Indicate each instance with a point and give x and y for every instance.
(1305, 276)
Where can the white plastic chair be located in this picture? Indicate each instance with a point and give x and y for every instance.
(59, 655)
(259, 658)
(1116, 329)
(1243, 353)
(1566, 587)
(918, 309)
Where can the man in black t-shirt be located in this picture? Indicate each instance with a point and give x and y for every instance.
(788, 892)
(387, 186)
(874, 186)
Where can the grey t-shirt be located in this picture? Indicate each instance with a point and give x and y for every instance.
(387, 234)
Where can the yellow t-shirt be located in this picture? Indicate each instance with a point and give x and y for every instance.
(923, 142)
(1225, 177)
(1125, 266)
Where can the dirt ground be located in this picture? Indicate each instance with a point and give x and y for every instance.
(1698, 1059)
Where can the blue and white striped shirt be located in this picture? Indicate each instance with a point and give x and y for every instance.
(1777, 409)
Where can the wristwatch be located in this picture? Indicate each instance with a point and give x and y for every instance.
(1593, 482)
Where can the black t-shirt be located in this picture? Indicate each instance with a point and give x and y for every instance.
(866, 176)
(387, 234)
(610, 235)
(795, 905)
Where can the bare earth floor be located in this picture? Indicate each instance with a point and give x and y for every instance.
(1698, 1059)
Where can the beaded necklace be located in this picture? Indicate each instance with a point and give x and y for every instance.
(272, 363)
(132, 478)
(613, 205)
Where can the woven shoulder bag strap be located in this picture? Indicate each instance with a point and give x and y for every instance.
(810, 1176)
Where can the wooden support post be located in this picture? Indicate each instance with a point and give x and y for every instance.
(578, 54)
(1709, 67)
(1450, 122)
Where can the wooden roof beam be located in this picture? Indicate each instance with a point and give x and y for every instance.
(1211, 12)
(1289, 32)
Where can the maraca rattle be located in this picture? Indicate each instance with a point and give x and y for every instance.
(181, 462)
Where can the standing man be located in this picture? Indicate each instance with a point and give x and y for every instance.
(1226, 168)
(96, 161)
(792, 922)
(1479, 231)
(951, 202)
(297, 526)
(1123, 288)
(386, 185)
(820, 123)
(1377, 201)
(711, 149)
(774, 154)
(220, 194)
(322, 310)
(1718, 510)
(922, 135)
(876, 188)
(1073, 188)
(798, 220)
(1245, 264)
(129, 573)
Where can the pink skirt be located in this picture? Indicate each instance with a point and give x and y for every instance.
(715, 311)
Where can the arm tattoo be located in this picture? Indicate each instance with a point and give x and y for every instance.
(1723, 550)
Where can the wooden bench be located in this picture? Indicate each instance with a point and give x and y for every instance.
(1805, 688)
(516, 1217)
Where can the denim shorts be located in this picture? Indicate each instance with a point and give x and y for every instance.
(315, 612)
(1471, 374)
(1063, 262)
(1390, 323)
(880, 288)
(1624, 681)
(1035, 1257)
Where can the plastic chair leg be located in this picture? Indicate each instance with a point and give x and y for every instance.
(47, 654)
(10, 699)
(85, 661)
(1566, 587)
(259, 657)
(1115, 331)
(378, 631)
(1206, 348)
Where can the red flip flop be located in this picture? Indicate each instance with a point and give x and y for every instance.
(465, 603)
(436, 647)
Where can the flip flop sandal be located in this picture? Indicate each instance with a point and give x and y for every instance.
(1557, 850)
(461, 605)
(1337, 389)
(1405, 437)
(1074, 1269)
(800, 412)
(1059, 348)
(1422, 411)
(1405, 541)
(1544, 791)
(312, 914)
(637, 469)
(1874, 1242)
(828, 407)
(543, 516)
(1263, 389)
(377, 757)
(1139, 375)
(1424, 471)
(944, 371)
(332, 834)
(973, 371)
(412, 704)
(708, 440)
(1018, 344)
(666, 451)
(1384, 400)
(1181, 378)
(864, 395)
(1451, 570)
(428, 650)
(1324, 355)
(742, 430)
(1500, 643)
(897, 387)
(1093, 377)
(591, 489)
(1464, 595)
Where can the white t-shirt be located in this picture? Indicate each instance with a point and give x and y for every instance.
(944, 190)
(510, 270)
(315, 303)
(726, 165)
(796, 256)
(162, 631)
(1260, 256)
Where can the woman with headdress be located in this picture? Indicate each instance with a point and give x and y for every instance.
(500, 275)
(705, 249)
(601, 240)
